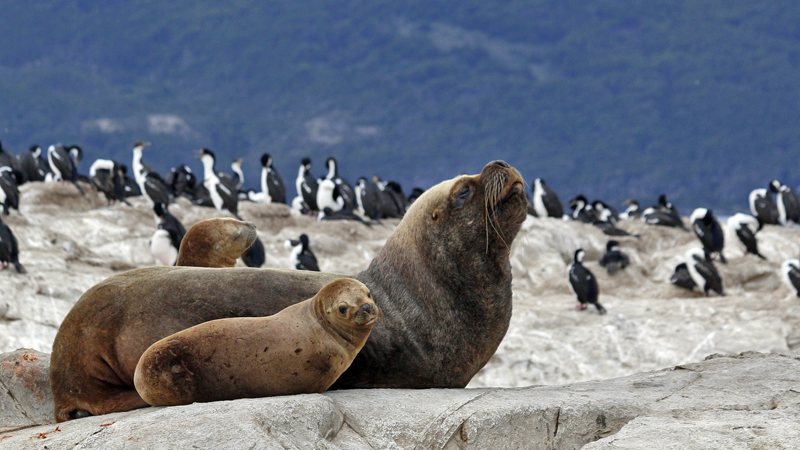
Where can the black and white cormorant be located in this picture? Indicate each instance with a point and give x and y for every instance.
(163, 247)
(238, 176)
(614, 259)
(166, 240)
(745, 227)
(708, 230)
(106, 175)
(582, 210)
(33, 164)
(703, 272)
(414, 195)
(9, 192)
(62, 164)
(329, 195)
(682, 278)
(140, 169)
(666, 205)
(545, 201)
(391, 198)
(345, 189)
(306, 185)
(181, 181)
(664, 214)
(605, 212)
(299, 207)
(222, 190)
(790, 273)
(762, 206)
(255, 256)
(9, 250)
(272, 188)
(6, 159)
(151, 185)
(302, 257)
(583, 283)
(130, 186)
(632, 211)
(165, 220)
(368, 198)
(787, 201)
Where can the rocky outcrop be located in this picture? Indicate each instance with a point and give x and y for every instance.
(727, 401)
(650, 323)
(25, 396)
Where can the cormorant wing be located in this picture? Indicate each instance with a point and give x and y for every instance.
(308, 261)
(277, 190)
(709, 273)
(792, 204)
(583, 283)
(794, 277)
(748, 238)
(255, 255)
(551, 202)
(227, 190)
(156, 189)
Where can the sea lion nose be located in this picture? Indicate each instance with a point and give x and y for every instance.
(367, 308)
(501, 163)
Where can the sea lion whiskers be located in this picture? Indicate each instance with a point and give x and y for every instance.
(492, 196)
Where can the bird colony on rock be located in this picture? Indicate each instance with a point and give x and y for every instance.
(329, 198)
(698, 269)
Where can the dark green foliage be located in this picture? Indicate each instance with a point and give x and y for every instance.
(697, 99)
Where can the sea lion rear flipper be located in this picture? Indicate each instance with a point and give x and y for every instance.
(122, 400)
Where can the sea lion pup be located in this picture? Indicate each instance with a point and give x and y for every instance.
(442, 282)
(301, 350)
(216, 243)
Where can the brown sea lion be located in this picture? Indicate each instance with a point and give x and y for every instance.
(300, 350)
(216, 243)
(442, 282)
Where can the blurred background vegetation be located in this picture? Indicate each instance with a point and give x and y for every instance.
(697, 99)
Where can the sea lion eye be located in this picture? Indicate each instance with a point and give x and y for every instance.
(462, 197)
(343, 310)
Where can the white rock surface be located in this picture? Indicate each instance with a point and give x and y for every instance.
(723, 402)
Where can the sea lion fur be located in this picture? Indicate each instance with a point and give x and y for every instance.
(442, 282)
(301, 349)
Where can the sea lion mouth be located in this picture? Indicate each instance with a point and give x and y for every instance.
(244, 234)
(501, 182)
(366, 314)
(504, 197)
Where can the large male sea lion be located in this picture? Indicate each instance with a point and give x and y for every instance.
(300, 350)
(216, 243)
(442, 282)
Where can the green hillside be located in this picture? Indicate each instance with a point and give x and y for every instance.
(698, 99)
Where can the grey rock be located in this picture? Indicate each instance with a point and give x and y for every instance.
(708, 429)
(727, 401)
(25, 396)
